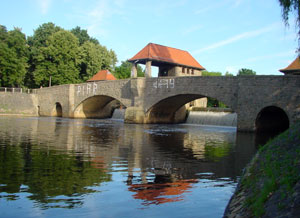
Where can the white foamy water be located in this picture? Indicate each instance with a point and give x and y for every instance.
(212, 118)
(118, 114)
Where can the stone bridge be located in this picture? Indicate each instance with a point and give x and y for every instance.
(261, 102)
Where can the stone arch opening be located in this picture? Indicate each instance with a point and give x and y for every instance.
(170, 110)
(57, 110)
(39, 110)
(99, 106)
(178, 109)
(272, 119)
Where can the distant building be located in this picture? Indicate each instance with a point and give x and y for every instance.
(102, 75)
(170, 61)
(293, 68)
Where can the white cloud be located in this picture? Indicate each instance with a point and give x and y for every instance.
(44, 5)
(290, 53)
(237, 3)
(245, 35)
(211, 5)
(165, 6)
(208, 8)
(232, 69)
(120, 3)
(191, 29)
(96, 16)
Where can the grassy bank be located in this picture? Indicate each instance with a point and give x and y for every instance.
(270, 185)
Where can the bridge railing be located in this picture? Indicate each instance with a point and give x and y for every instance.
(18, 90)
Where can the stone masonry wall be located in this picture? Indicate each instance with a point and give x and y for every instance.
(49, 96)
(258, 92)
(18, 103)
(245, 95)
(154, 90)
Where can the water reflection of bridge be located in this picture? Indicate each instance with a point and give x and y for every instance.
(158, 160)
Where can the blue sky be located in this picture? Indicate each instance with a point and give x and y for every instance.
(222, 35)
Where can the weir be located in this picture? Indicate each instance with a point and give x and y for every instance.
(118, 114)
(197, 117)
(212, 118)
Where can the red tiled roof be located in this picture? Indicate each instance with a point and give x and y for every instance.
(102, 75)
(162, 53)
(294, 66)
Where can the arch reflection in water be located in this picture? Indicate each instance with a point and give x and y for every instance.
(58, 162)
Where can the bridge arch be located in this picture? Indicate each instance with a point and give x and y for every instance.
(57, 110)
(97, 106)
(272, 119)
(171, 109)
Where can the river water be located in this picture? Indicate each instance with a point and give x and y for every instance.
(58, 167)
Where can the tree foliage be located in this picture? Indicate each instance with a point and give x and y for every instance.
(245, 72)
(124, 70)
(228, 74)
(51, 52)
(207, 73)
(83, 36)
(13, 57)
(58, 60)
(289, 6)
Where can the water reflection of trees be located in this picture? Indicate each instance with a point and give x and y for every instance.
(59, 160)
(53, 177)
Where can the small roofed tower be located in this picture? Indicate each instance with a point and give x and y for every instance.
(293, 68)
(102, 75)
(170, 61)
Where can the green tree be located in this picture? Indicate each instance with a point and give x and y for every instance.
(41, 35)
(58, 60)
(228, 74)
(83, 36)
(124, 70)
(109, 58)
(37, 43)
(245, 72)
(52, 52)
(113, 58)
(91, 60)
(212, 102)
(13, 57)
(93, 56)
(207, 73)
(291, 6)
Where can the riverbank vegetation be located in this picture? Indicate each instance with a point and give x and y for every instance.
(270, 186)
